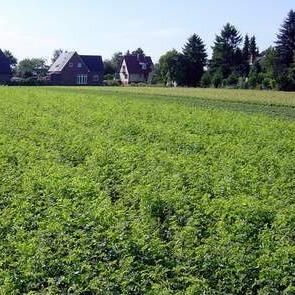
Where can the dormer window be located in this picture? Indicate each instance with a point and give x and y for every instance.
(79, 65)
(143, 66)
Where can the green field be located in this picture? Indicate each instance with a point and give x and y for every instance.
(146, 191)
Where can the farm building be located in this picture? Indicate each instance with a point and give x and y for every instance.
(136, 69)
(5, 70)
(73, 69)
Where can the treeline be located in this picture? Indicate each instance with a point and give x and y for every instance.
(236, 61)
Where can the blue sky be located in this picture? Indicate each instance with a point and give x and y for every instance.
(34, 28)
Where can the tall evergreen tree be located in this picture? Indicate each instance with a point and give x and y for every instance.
(226, 51)
(195, 55)
(246, 48)
(246, 56)
(286, 40)
(253, 49)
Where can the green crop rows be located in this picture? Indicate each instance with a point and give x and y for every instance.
(133, 191)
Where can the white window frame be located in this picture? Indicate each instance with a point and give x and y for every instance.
(81, 79)
(79, 65)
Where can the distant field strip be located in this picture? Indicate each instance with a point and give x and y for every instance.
(196, 98)
(250, 96)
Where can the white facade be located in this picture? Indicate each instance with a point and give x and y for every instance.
(127, 78)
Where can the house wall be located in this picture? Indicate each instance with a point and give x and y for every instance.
(124, 76)
(68, 76)
(137, 78)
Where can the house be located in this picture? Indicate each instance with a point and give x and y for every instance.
(135, 69)
(5, 70)
(73, 69)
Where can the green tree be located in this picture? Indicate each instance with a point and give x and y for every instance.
(254, 52)
(195, 55)
(270, 63)
(226, 51)
(246, 56)
(56, 54)
(109, 67)
(116, 60)
(35, 67)
(206, 80)
(138, 51)
(171, 67)
(246, 48)
(286, 40)
(11, 57)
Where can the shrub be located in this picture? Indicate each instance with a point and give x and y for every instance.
(111, 83)
(232, 80)
(206, 80)
(243, 83)
(217, 80)
(108, 77)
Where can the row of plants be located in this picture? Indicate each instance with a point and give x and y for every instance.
(124, 193)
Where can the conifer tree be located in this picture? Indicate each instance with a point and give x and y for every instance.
(286, 40)
(246, 56)
(253, 49)
(195, 55)
(246, 48)
(226, 51)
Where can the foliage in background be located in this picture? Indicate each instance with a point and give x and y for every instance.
(12, 59)
(234, 64)
(56, 54)
(34, 67)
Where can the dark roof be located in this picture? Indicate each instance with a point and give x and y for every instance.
(4, 64)
(93, 62)
(133, 63)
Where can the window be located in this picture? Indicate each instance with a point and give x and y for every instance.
(81, 79)
(71, 64)
(143, 66)
(95, 78)
(79, 65)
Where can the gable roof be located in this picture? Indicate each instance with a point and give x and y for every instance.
(133, 63)
(61, 61)
(93, 62)
(4, 64)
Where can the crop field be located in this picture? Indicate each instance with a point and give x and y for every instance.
(146, 191)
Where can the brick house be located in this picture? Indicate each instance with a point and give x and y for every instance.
(73, 69)
(135, 69)
(5, 70)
